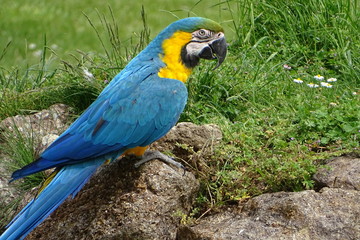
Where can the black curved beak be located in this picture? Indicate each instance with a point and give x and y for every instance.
(215, 50)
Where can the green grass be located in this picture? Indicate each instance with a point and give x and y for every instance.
(21, 146)
(276, 131)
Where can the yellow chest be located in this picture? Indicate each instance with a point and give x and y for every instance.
(172, 47)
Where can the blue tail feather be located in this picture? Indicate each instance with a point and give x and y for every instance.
(68, 181)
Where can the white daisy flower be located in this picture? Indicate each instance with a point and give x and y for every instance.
(325, 84)
(331, 80)
(312, 85)
(298, 80)
(319, 77)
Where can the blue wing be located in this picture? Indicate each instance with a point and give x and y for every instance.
(135, 109)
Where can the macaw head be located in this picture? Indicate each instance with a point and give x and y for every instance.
(186, 41)
(207, 41)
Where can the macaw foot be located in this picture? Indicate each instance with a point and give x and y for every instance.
(151, 155)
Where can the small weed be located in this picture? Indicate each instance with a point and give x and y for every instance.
(19, 147)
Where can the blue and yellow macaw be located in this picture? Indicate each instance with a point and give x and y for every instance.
(139, 106)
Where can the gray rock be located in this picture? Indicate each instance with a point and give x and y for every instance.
(328, 214)
(121, 202)
(340, 172)
(198, 137)
(38, 126)
(191, 143)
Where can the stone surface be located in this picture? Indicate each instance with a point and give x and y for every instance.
(38, 126)
(340, 172)
(198, 137)
(190, 143)
(122, 202)
(329, 214)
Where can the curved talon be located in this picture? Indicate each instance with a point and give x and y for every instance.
(151, 155)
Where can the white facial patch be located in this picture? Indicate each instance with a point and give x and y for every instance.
(194, 48)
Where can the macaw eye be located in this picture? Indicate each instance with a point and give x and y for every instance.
(203, 33)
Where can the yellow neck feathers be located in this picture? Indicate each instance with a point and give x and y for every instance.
(174, 68)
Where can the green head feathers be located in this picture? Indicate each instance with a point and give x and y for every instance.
(194, 23)
(190, 24)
